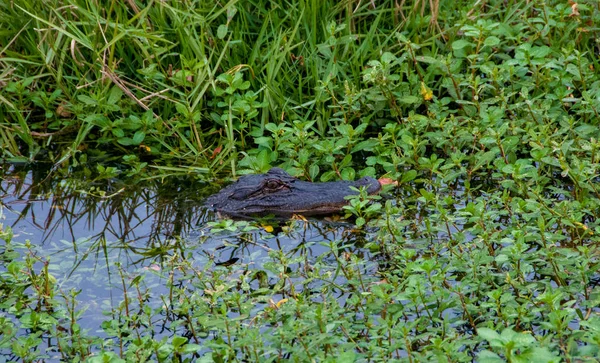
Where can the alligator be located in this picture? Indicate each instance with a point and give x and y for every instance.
(282, 195)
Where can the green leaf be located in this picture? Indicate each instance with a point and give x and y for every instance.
(182, 109)
(572, 69)
(460, 44)
(118, 132)
(367, 145)
(387, 58)
(428, 59)
(105, 357)
(327, 176)
(409, 99)
(489, 357)
(360, 221)
(87, 100)
(264, 160)
(539, 355)
(539, 52)
(125, 141)
(264, 141)
(484, 159)
(191, 348)
(488, 334)
(138, 137)
(164, 351)
(408, 176)
(222, 31)
(115, 95)
(348, 173)
(491, 41)
(313, 171)
(522, 339)
(347, 160)
(179, 341)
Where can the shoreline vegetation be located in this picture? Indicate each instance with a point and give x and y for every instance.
(484, 114)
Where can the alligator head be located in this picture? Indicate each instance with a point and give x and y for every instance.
(280, 194)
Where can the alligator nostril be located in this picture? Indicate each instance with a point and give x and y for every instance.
(366, 180)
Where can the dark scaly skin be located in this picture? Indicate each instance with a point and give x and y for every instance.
(280, 194)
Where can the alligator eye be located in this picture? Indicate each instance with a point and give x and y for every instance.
(272, 184)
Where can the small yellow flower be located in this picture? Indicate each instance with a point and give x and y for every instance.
(267, 228)
(426, 92)
(276, 305)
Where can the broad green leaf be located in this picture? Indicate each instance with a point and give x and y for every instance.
(460, 44)
(178, 341)
(488, 334)
(222, 31)
(115, 95)
(491, 41)
(489, 357)
(138, 137)
(348, 174)
(408, 176)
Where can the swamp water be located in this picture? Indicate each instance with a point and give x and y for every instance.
(107, 243)
(145, 270)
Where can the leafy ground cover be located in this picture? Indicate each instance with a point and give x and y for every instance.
(485, 113)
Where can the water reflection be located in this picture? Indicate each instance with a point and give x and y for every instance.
(51, 209)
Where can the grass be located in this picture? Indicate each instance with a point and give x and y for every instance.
(110, 65)
(485, 113)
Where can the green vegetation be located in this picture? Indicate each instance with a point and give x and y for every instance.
(486, 113)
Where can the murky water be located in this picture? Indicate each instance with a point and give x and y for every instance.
(96, 240)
